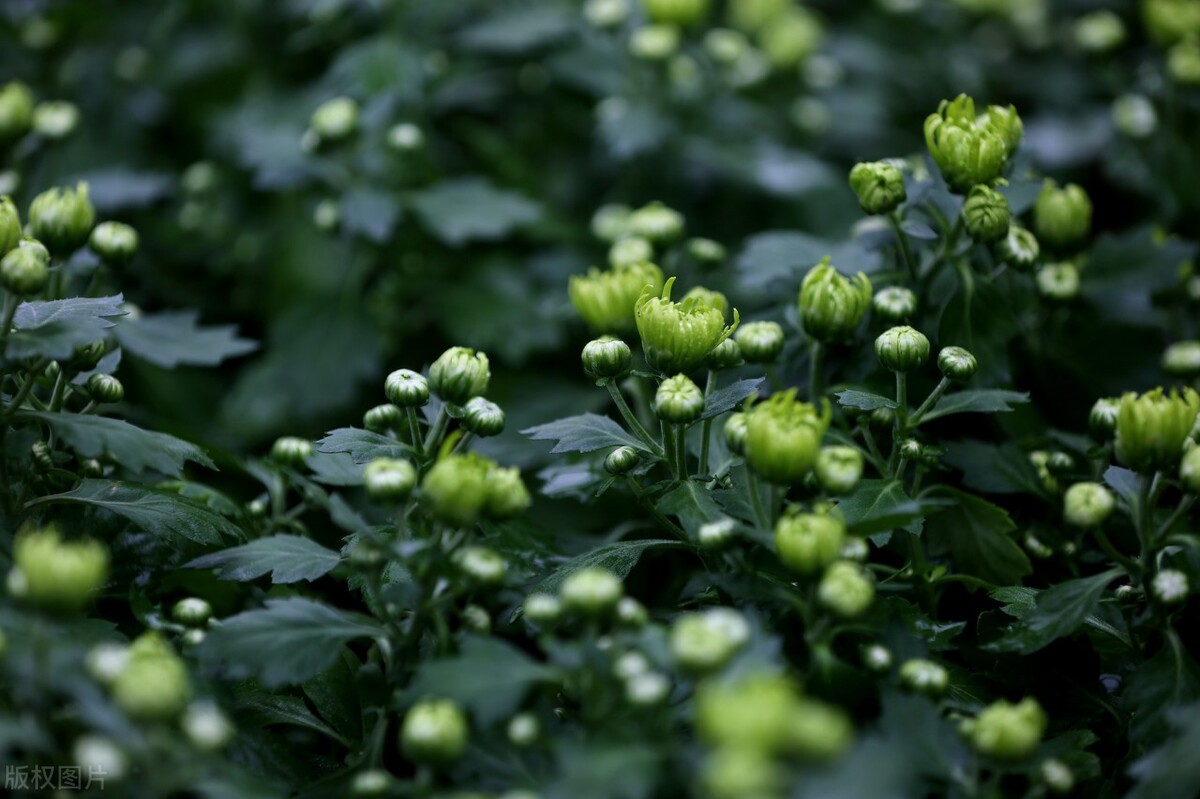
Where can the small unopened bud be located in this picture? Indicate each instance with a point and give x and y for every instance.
(434, 732)
(808, 542)
(381, 418)
(654, 42)
(644, 690)
(1057, 775)
(55, 119)
(23, 272)
(1087, 504)
(105, 388)
(621, 460)
(877, 658)
(735, 433)
(1009, 731)
(895, 304)
(1102, 420)
(484, 566)
(389, 479)
(192, 611)
(879, 187)
(404, 137)
(542, 608)
(1182, 359)
(924, 676)
(679, 400)
(62, 218)
(327, 216)
(716, 535)
(704, 642)
(986, 214)
(846, 589)
(591, 591)
(706, 251)
(483, 417)
(632, 613)
(459, 374)
(1133, 115)
(406, 388)
(16, 111)
(1062, 217)
(291, 451)
(759, 342)
(1189, 470)
(656, 223)
(115, 242)
(606, 357)
(839, 469)
(901, 349)
(206, 726)
(1058, 282)
(10, 226)
(630, 250)
(1019, 248)
(957, 363)
(335, 119)
(1170, 586)
(726, 355)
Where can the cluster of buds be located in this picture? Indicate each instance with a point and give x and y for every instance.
(783, 437)
(678, 337)
(971, 149)
(1007, 731)
(56, 575)
(832, 306)
(460, 489)
(62, 218)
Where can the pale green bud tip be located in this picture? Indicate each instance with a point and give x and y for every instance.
(1189, 470)
(901, 349)
(986, 214)
(55, 119)
(632, 613)
(760, 342)
(327, 215)
(1058, 282)
(1062, 217)
(808, 542)
(831, 306)
(924, 676)
(957, 363)
(791, 38)
(610, 223)
(523, 729)
(591, 591)
(606, 13)
(1019, 248)
(483, 565)
(459, 374)
(877, 658)
(192, 611)
(96, 754)
(507, 495)
(154, 685)
(1182, 359)
(783, 437)
(542, 608)
(1098, 32)
(895, 304)
(846, 589)
(434, 732)
(735, 430)
(1087, 504)
(677, 337)
(62, 218)
(1103, 417)
(404, 137)
(606, 357)
(291, 451)
(105, 388)
(678, 400)
(676, 12)
(706, 251)
(335, 119)
(382, 417)
(483, 417)
(1009, 731)
(629, 251)
(1134, 116)
(389, 479)
(621, 460)
(1152, 429)
(645, 690)
(654, 42)
(726, 46)
(372, 782)
(879, 187)
(705, 641)
(54, 574)
(406, 388)
(1057, 776)
(24, 272)
(16, 110)
(114, 241)
(717, 534)
(606, 299)
(838, 469)
(1170, 586)
(656, 223)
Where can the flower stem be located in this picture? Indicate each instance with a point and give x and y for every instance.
(437, 431)
(814, 370)
(760, 512)
(414, 431)
(632, 421)
(905, 252)
(706, 427)
(926, 406)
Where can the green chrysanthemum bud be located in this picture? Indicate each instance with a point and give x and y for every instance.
(736, 430)
(957, 363)
(523, 729)
(36, 247)
(1098, 32)
(24, 272)
(606, 300)
(1019, 248)
(477, 619)
(654, 42)
(1170, 586)
(1182, 359)
(704, 642)
(542, 608)
(192, 611)
(630, 251)
(456, 489)
(790, 38)
(606, 357)
(114, 242)
(55, 119)
(62, 218)
(458, 374)
(507, 495)
(632, 613)
(1133, 115)
(1057, 776)
(1062, 217)
(610, 223)
(1009, 732)
(1152, 428)
(966, 153)
(877, 658)
(207, 727)
(484, 566)
(855, 549)
(291, 451)
(87, 356)
(1102, 420)
(647, 689)
(382, 417)
(819, 731)
(760, 342)
(1059, 282)
(1006, 123)
(327, 216)
(1183, 62)
(1189, 470)
(901, 349)
(621, 460)
(591, 591)
(434, 732)
(335, 119)
(16, 111)
(846, 589)
(677, 337)
(678, 400)
(1168, 21)
(808, 542)
(1087, 504)
(95, 754)
(405, 137)
(10, 225)
(676, 12)
(656, 223)
(895, 304)
(483, 417)
(986, 214)
(756, 712)
(716, 535)
(726, 355)
(924, 676)
(838, 469)
(56, 575)
(726, 46)
(389, 479)
(154, 685)
(407, 389)
(783, 437)
(708, 297)
(706, 251)
(879, 187)
(831, 306)
(105, 388)
(736, 772)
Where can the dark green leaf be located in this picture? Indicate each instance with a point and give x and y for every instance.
(370, 213)
(263, 710)
(471, 209)
(54, 329)
(784, 256)
(517, 30)
(1165, 682)
(1171, 771)
(362, 445)
(731, 396)
(133, 448)
(584, 433)
(334, 694)
(879, 506)
(174, 338)
(692, 504)
(288, 559)
(863, 400)
(618, 558)
(975, 533)
(983, 400)
(1057, 612)
(994, 469)
(335, 468)
(489, 677)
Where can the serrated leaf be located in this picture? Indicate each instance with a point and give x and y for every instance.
(975, 533)
(133, 448)
(730, 397)
(157, 512)
(175, 338)
(362, 445)
(287, 558)
(1057, 612)
(879, 506)
(781, 256)
(994, 469)
(471, 209)
(54, 329)
(982, 400)
(618, 558)
(488, 677)
(289, 641)
(863, 400)
(263, 710)
(587, 432)
(1016, 600)
(334, 468)
(692, 504)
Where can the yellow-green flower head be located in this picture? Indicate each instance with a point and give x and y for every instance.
(879, 187)
(678, 336)
(713, 299)
(791, 38)
(808, 542)
(965, 152)
(831, 306)
(1062, 217)
(62, 218)
(783, 437)
(986, 214)
(1007, 731)
(1169, 21)
(154, 685)
(1005, 122)
(459, 374)
(1152, 428)
(56, 575)
(676, 12)
(16, 110)
(606, 299)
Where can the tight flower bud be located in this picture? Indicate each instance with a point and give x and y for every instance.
(845, 589)
(405, 137)
(381, 417)
(790, 38)
(458, 374)
(1170, 586)
(24, 272)
(630, 251)
(1183, 62)
(879, 187)
(484, 566)
(16, 111)
(62, 218)
(809, 542)
(523, 729)
(901, 349)
(986, 214)
(760, 342)
(56, 575)
(87, 356)
(677, 337)
(1098, 32)
(542, 608)
(1062, 217)
(838, 469)
(192, 611)
(704, 642)
(1019, 248)
(1058, 282)
(831, 306)
(456, 489)
(1057, 776)
(606, 357)
(783, 437)
(706, 251)
(610, 223)
(966, 153)
(10, 225)
(716, 535)
(1087, 504)
(1102, 420)
(291, 451)
(877, 658)
(434, 732)
(207, 727)
(726, 355)
(483, 417)
(678, 400)
(736, 429)
(654, 42)
(656, 223)
(591, 591)
(105, 388)
(389, 479)
(676, 12)
(335, 119)
(406, 388)
(1189, 470)
(957, 363)
(1009, 732)
(894, 304)
(607, 300)
(1152, 428)
(1182, 359)
(924, 676)
(756, 712)
(154, 685)
(55, 119)
(736, 772)
(621, 460)
(507, 495)
(115, 242)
